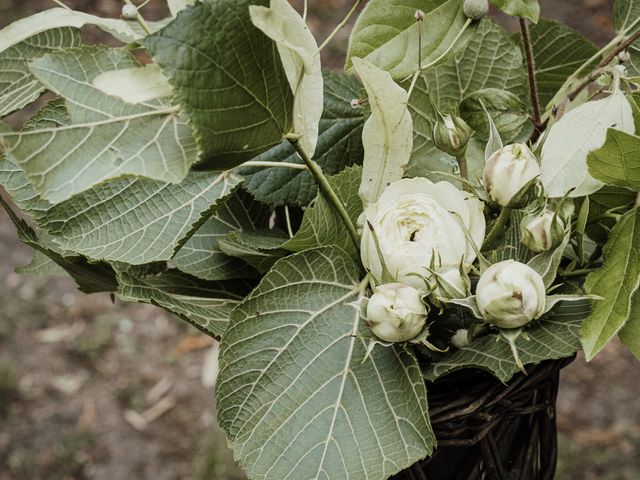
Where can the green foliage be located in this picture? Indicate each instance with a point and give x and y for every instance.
(557, 335)
(228, 79)
(386, 33)
(339, 146)
(321, 224)
(260, 249)
(297, 403)
(18, 86)
(630, 333)
(519, 8)
(616, 282)
(616, 163)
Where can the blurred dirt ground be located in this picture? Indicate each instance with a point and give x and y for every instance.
(92, 390)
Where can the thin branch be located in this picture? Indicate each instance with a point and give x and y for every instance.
(58, 2)
(305, 10)
(256, 163)
(140, 19)
(287, 217)
(340, 25)
(531, 69)
(327, 191)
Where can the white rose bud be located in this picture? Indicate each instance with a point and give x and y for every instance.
(418, 227)
(451, 134)
(476, 9)
(510, 294)
(396, 312)
(129, 12)
(508, 171)
(542, 232)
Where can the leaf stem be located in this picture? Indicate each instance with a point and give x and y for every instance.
(327, 191)
(287, 217)
(464, 169)
(256, 163)
(577, 273)
(305, 10)
(340, 25)
(531, 69)
(498, 227)
(143, 23)
(58, 2)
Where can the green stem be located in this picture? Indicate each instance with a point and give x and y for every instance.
(256, 163)
(327, 191)
(578, 273)
(140, 18)
(464, 169)
(498, 227)
(531, 69)
(340, 25)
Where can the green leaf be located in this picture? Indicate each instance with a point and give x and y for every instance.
(202, 257)
(137, 220)
(55, 18)
(41, 264)
(135, 85)
(555, 336)
(339, 146)
(603, 201)
(573, 137)
(260, 249)
(490, 60)
(630, 333)
(547, 263)
(555, 65)
(176, 6)
(388, 133)
(321, 224)
(520, 8)
(301, 61)
(228, 78)
(386, 33)
(18, 87)
(206, 305)
(297, 395)
(616, 163)
(626, 13)
(91, 277)
(108, 137)
(615, 282)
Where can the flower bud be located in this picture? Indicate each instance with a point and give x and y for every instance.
(542, 232)
(508, 171)
(129, 12)
(510, 294)
(460, 339)
(396, 312)
(476, 9)
(451, 134)
(451, 284)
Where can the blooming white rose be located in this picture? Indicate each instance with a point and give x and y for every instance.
(542, 232)
(419, 225)
(396, 312)
(510, 294)
(508, 170)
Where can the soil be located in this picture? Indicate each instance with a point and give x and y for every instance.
(93, 390)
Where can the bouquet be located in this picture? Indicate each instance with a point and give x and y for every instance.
(457, 198)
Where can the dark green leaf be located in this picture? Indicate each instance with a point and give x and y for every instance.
(519, 8)
(260, 249)
(616, 163)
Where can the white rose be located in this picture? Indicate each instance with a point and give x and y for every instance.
(542, 232)
(419, 228)
(508, 170)
(396, 312)
(510, 294)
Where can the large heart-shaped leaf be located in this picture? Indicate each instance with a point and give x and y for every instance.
(18, 87)
(228, 78)
(387, 34)
(137, 220)
(297, 395)
(107, 138)
(616, 282)
(339, 146)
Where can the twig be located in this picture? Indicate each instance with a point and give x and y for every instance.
(256, 163)
(340, 25)
(327, 191)
(531, 69)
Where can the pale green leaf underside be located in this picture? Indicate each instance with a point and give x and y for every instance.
(626, 13)
(556, 336)
(616, 163)
(616, 282)
(559, 51)
(388, 133)
(176, 6)
(321, 225)
(573, 137)
(107, 138)
(386, 33)
(18, 87)
(295, 394)
(228, 78)
(339, 146)
(301, 61)
(202, 256)
(519, 8)
(136, 220)
(205, 305)
(135, 85)
(40, 264)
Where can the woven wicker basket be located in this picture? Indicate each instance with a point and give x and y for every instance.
(492, 431)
